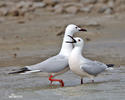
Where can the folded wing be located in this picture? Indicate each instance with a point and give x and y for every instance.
(93, 67)
(51, 65)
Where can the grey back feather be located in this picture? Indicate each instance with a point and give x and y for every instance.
(93, 67)
(51, 65)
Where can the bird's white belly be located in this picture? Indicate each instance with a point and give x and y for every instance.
(75, 67)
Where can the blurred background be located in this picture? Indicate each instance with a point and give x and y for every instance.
(32, 30)
(22, 7)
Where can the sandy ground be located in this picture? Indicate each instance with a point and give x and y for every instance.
(35, 86)
(31, 39)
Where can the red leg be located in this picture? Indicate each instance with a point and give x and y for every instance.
(51, 80)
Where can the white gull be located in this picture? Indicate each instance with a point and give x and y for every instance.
(81, 65)
(57, 64)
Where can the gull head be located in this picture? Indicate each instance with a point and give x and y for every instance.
(76, 41)
(71, 28)
(79, 42)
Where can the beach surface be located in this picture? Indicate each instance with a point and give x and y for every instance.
(31, 39)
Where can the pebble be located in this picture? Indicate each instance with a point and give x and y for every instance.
(14, 12)
(79, 5)
(23, 4)
(4, 11)
(20, 22)
(39, 4)
(72, 9)
(10, 4)
(37, 0)
(59, 8)
(65, 1)
(31, 9)
(28, 4)
(51, 2)
(2, 4)
(102, 9)
(108, 11)
(103, 1)
(87, 9)
(50, 9)
(111, 4)
(22, 12)
(89, 1)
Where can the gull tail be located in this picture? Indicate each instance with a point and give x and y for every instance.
(110, 65)
(22, 70)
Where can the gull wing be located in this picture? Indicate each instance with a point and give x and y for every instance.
(51, 65)
(93, 67)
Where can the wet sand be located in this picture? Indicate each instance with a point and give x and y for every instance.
(36, 39)
(107, 86)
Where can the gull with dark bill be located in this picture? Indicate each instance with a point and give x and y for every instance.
(81, 65)
(57, 64)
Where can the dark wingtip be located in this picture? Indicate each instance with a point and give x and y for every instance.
(110, 65)
(22, 70)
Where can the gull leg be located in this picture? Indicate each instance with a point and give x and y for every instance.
(92, 80)
(51, 82)
(60, 81)
(81, 80)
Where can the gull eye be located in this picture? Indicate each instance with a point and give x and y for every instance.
(79, 40)
(76, 27)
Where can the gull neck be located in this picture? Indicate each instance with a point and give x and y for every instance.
(66, 47)
(78, 50)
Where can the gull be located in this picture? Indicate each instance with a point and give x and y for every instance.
(82, 66)
(57, 64)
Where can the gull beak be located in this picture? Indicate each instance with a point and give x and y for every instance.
(81, 29)
(74, 41)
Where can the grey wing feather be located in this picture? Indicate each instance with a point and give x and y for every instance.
(51, 65)
(93, 67)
